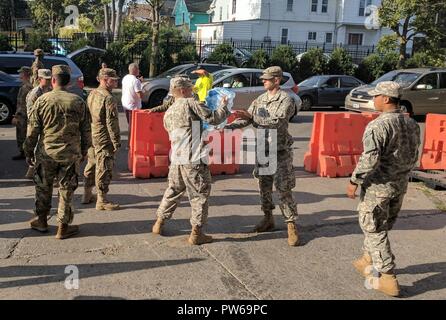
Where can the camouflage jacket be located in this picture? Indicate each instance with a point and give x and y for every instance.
(271, 113)
(21, 100)
(168, 101)
(34, 72)
(391, 143)
(59, 125)
(105, 132)
(32, 97)
(183, 122)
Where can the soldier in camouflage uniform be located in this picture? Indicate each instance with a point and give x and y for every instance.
(59, 131)
(273, 110)
(106, 140)
(43, 87)
(20, 119)
(188, 171)
(37, 64)
(391, 144)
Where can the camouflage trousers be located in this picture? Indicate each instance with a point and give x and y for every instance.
(284, 181)
(67, 175)
(20, 131)
(99, 170)
(196, 181)
(377, 215)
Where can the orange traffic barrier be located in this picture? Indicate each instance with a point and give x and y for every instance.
(434, 147)
(225, 159)
(336, 143)
(131, 136)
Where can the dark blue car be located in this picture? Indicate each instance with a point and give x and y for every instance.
(9, 88)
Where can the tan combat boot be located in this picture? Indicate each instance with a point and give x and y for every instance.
(197, 236)
(293, 237)
(267, 224)
(87, 197)
(386, 284)
(103, 204)
(39, 223)
(158, 226)
(364, 265)
(30, 173)
(66, 231)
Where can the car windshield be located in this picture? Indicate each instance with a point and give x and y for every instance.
(404, 79)
(220, 74)
(310, 82)
(171, 72)
(245, 52)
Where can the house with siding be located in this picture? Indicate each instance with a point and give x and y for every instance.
(190, 13)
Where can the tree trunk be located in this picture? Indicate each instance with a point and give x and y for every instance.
(12, 15)
(113, 17)
(118, 19)
(106, 21)
(155, 39)
(402, 57)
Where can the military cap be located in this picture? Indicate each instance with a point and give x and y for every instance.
(26, 70)
(386, 88)
(61, 69)
(38, 52)
(44, 73)
(180, 82)
(271, 72)
(108, 73)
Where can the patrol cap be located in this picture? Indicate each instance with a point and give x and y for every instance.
(272, 72)
(24, 69)
(108, 73)
(44, 73)
(386, 88)
(180, 82)
(38, 52)
(60, 69)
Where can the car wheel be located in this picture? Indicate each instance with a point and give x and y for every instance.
(306, 103)
(6, 112)
(156, 98)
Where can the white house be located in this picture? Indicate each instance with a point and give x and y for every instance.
(320, 21)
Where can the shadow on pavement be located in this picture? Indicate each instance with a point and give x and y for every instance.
(436, 280)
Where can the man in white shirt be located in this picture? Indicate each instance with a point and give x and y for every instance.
(131, 92)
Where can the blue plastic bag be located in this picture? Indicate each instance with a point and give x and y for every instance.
(213, 101)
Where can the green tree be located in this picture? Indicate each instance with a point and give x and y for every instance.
(223, 53)
(156, 6)
(4, 43)
(340, 62)
(10, 9)
(48, 14)
(313, 62)
(284, 57)
(375, 65)
(427, 58)
(259, 59)
(187, 54)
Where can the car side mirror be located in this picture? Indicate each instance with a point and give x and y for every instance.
(423, 87)
(227, 85)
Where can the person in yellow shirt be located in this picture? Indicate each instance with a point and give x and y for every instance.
(203, 83)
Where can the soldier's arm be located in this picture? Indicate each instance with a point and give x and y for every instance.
(370, 157)
(85, 129)
(213, 117)
(241, 123)
(282, 115)
(166, 104)
(112, 121)
(33, 131)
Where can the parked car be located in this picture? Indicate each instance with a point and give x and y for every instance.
(9, 88)
(58, 47)
(10, 63)
(247, 85)
(156, 89)
(424, 91)
(241, 55)
(327, 90)
(299, 56)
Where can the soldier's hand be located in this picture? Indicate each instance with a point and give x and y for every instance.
(147, 110)
(14, 121)
(30, 162)
(351, 190)
(224, 101)
(242, 114)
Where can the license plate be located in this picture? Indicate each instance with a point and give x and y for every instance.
(356, 105)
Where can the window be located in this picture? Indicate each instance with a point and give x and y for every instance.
(240, 80)
(328, 37)
(314, 5)
(221, 13)
(355, 39)
(289, 5)
(215, 34)
(332, 83)
(347, 82)
(324, 8)
(312, 36)
(443, 80)
(363, 4)
(234, 6)
(284, 37)
(430, 81)
(257, 82)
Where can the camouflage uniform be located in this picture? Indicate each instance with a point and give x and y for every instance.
(21, 114)
(37, 64)
(275, 113)
(106, 139)
(167, 103)
(32, 97)
(391, 144)
(194, 176)
(59, 125)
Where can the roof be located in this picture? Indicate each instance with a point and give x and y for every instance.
(143, 11)
(198, 5)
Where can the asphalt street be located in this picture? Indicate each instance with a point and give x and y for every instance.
(118, 258)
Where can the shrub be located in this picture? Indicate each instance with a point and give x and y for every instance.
(118, 58)
(4, 43)
(259, 59)
(340, 62)
(284, 57)
(223, 53)
(314, 62)
(187, 53)
(426, 59)
(37, 40)
(375, 65)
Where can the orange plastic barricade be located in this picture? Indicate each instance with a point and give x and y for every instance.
(434, 148)
(150, 145)
(131, 136)
(225, 159)
(336, 143)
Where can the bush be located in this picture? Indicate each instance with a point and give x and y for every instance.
(259, 59)
(4, 43)
(37, 40)
(116, 57)
(314, 62)
(133, 28)
(375, 65)
(340, 62)
(223, 53)
(426, 59)
(79, 43)
(187, 53)
(284, 57)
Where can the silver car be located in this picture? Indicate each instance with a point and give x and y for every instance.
(247, 85)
